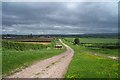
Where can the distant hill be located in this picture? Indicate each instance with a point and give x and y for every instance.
(103, 35)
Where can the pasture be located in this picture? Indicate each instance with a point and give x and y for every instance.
(18, 55)
(86, 65)
(106, 46)
(96, 40)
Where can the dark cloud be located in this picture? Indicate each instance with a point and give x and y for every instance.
(47, 17)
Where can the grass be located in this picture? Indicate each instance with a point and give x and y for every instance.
(108, 52)
(85, 65)
(14, 60)
(96, 40)
(105, 46)
(21, 46)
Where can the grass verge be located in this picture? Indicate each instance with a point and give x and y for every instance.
(85, 65)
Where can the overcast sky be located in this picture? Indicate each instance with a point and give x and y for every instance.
(59, 17)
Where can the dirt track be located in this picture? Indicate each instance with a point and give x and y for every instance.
(54, 67)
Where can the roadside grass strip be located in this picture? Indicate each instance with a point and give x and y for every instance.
(85, 65)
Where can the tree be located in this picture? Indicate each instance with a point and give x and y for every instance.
(77, 41)
(30, 36)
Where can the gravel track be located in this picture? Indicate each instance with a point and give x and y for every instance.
(54, 67)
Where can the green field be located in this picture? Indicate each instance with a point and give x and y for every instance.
(108, 52)
(17, 56)
(96, 40)
(105, 46)
(86, 65)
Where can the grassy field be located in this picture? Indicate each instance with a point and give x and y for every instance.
(96, 40)
(85, 65)
(109, 47)
(17, 56)
(108, 52)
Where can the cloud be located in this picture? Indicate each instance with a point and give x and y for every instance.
(59, 17)
(60, 0)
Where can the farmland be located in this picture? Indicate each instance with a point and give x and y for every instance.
(18, 55)
(86, 65)
(21, 54)
(71, 39)
(107, 46)
(96, 40)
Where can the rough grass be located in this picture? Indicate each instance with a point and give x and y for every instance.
(96, 40)
(21, 46)
(14, 59)
(105, 46)
(85, 65)
(108, 52)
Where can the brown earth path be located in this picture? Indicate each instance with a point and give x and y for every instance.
(54, 67)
